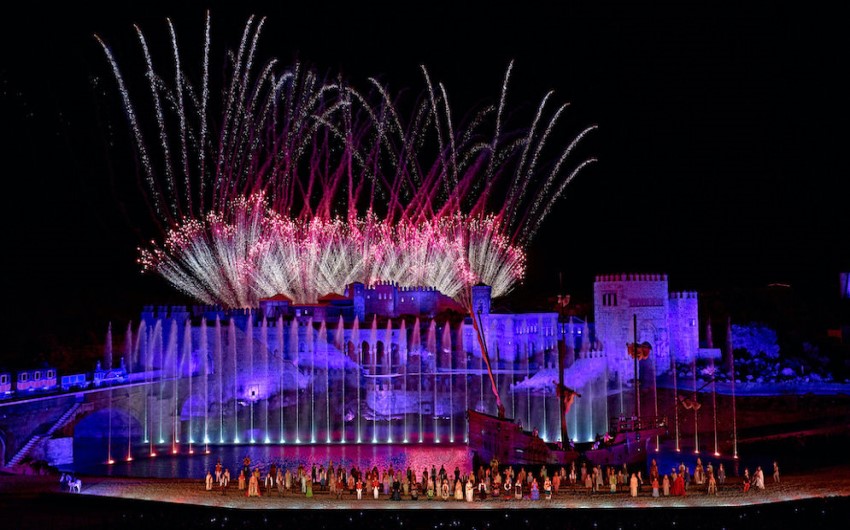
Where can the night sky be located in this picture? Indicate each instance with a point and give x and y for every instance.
(722, 138)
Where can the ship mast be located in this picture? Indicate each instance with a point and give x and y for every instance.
(562, 352)
(479, 331)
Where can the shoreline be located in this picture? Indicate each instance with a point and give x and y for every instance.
(825, 483)
(818, 499)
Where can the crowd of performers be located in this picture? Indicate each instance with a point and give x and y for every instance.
(493, 482)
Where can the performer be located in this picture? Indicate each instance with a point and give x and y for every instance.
(396, 489)
(535, 490)
(331, 481)
(758, 479)
(269, 483)
(209, 481)
(712, 484)
(254, 484)
(679, 485)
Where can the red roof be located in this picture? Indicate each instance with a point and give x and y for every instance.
(330, 297)
(277, 298)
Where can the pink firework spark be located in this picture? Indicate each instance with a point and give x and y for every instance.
(302, 185)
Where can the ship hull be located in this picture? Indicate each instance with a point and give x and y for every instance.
(501, 438)
(504, 439)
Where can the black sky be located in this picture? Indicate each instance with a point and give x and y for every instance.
(722, 137)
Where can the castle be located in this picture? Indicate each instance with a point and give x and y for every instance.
(409, 355)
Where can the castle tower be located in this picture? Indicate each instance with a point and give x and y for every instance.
(357, 292)
(481, 295)
(684, 325)
(619, 297)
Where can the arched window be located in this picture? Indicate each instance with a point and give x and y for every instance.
(364, 354)
(379, 354)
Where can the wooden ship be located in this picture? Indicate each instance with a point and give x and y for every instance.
(504, 438)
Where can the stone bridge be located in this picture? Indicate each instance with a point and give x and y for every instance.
(43, 427)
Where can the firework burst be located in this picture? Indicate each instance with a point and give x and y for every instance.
(300, 185)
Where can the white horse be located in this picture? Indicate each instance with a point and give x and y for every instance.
(75, 485)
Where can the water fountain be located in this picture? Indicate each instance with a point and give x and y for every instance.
(431, 356)
(204, 351)
(129, 352)
(264, 375)
(107, 356)
(303, 381)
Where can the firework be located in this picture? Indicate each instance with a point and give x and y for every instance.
(300, 185)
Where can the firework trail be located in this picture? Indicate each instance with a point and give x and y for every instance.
(301, 185)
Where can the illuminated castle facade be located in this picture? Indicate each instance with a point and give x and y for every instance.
(384, 363)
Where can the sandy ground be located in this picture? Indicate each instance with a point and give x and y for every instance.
(832, 482)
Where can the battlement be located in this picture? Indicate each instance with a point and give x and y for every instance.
(382, 283)
(631, 277)
(684, 295)
(416, 288)
(201, 309)
(164, 312)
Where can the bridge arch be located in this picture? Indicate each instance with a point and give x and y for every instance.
(96, 424)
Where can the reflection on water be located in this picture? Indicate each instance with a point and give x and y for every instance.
(90, 458)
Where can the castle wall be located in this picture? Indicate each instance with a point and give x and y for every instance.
(521, 338)
(668, 321)
(417, 301)
(684, 325)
